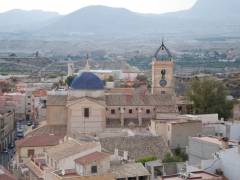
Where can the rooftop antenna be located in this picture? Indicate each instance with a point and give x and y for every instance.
(87, 67)
(162, 43)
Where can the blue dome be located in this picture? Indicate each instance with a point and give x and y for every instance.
(87, 81)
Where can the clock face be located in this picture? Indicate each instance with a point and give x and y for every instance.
(163, 82)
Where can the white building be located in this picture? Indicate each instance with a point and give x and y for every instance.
(226, 161)
(204, 148)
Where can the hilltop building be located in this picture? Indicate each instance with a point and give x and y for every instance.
(86, 108)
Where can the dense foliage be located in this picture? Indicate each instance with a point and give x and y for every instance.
(177, 156)
(209, 96)
(69, 80)
(146, 159)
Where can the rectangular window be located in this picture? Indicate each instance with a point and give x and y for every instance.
(30, 152)
(112, 111)
(94, 169)
(86, 112)
(162, 92)
(148, 111)
(130, 111)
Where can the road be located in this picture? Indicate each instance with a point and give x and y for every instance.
(5, 157)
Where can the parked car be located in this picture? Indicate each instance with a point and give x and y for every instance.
(5, 150)
(11, 146)
(29, 123)
(20, 134)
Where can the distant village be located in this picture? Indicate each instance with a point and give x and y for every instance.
(120, 124)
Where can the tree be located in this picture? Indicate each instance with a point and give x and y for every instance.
(169, 158)
(69, 80)
(209, 96)
(141, 78)
(178, 155)
(110, 79)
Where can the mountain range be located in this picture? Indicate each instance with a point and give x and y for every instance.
(206, 17)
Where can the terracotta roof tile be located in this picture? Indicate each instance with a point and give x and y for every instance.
(39, 93)
(37, 141)
(135, 100)
(5, 174)
(96, 156)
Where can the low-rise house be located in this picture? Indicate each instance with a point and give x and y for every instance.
(209, 122)
(96, 163)
(7, 130)
(63, 156)
(14, 102)
(72, 159)
(157, 168)
(39, 98)
(197, 175)
(231, 130)
(130, 171)
(136, 147)
(176, 132)
(32, 146)
(226, 162)
(204, 148)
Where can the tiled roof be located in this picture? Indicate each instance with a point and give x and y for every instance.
(106, 177)
(96, 156)
(69, 148)
(129, 170)
(128, 91)
(34, 169)
(38, 141)
(136, 100)
(57, 100)
(39, 93)
(5, 174)
(137, 146)
(49, 129)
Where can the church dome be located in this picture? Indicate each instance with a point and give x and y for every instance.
(87, 81)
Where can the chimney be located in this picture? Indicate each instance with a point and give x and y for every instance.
(125, 155)
(65, 138)
(61, 141)
(116, 152)
(225, 143)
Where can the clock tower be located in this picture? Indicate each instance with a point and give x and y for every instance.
(162, 72)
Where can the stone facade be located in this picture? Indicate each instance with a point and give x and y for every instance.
(79, 121)
(7, 129)
(202, 148)
(86, 108)
(157, 67)
(176, 132)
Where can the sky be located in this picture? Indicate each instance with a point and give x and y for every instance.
(68, 6)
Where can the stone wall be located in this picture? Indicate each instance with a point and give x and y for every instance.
(56, 115)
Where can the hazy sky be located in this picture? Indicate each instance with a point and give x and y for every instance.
(67, 6)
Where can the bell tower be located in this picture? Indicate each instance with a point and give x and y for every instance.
(162, 72)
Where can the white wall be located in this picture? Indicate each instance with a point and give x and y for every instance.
(200, 150)
(69, 163)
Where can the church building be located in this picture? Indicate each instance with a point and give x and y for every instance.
(86, 108)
